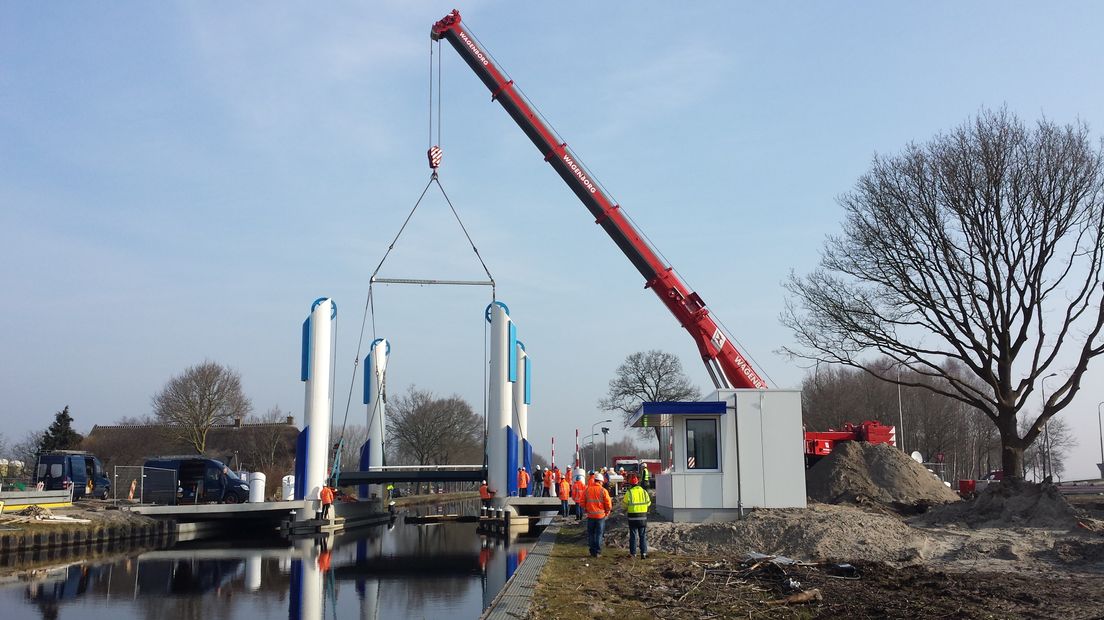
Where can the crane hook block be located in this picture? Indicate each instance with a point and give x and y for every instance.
(434, 154)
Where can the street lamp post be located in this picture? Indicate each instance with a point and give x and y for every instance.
(900, 411)
(605, 444)
(592, 432)
(591, 452)
(1100, 429)
(1047, 464)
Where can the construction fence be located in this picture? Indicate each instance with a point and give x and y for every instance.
(144, 485)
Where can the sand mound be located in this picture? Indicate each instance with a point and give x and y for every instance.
(821, 532)
(879, 472)
(1009, 503)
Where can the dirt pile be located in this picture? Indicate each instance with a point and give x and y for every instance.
(857, 470)
(1008, 504)
(820, 532)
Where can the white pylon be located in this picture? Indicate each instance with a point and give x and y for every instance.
(317, 370)
(499, 397)
(375, 373)
(521, 406)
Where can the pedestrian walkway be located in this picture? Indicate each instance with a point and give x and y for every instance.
(514, 599)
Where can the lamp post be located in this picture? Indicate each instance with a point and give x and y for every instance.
(592, 432)
(1100, 429)
(591, 453)
(605, 444)
(900, 410)
(1046, 429)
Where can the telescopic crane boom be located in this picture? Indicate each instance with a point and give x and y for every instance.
(727, 367)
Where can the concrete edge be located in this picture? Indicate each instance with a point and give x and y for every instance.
(514, 599)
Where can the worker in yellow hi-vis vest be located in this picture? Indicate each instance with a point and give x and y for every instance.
(636, 501)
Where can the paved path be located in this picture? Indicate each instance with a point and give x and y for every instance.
(513, 601)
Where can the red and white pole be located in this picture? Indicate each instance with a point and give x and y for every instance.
(576, 448)
(553, 452)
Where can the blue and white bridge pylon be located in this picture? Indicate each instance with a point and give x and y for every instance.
(312, 446)
(507, 404)
(375, 372)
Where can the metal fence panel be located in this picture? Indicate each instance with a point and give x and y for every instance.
(144, 485)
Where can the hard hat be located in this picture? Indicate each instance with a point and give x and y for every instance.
(599, 478)
(484, 482)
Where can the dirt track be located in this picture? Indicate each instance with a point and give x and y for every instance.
(903, 568)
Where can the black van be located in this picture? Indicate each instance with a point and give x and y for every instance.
(81, 471)
(198, 480)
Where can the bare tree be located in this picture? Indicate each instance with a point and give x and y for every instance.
(26, 450)
(647, 376)
(431, 430)
(982, 248)
(266, 446)
(1048, 455)
(199, 398)
(354, 438)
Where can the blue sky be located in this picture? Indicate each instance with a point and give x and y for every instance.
(178, 181)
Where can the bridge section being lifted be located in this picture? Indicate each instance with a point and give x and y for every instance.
(508, 398)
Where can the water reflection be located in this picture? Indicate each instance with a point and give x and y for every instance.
(389, 571)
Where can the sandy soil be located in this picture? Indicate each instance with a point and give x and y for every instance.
(976, 559)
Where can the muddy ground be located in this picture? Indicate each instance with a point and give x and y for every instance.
(898, 568)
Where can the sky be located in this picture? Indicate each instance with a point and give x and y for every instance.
(180, 180)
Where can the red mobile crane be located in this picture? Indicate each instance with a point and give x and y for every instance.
(726, 366)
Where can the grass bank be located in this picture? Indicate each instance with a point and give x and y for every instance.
(575, 585)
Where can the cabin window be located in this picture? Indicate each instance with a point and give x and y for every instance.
(701, 444)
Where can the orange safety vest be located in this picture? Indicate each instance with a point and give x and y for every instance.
(548, 478)
(577, 489)
(565, 489)
(484, 493)
(523, 479)
(596, 502)
(327, 495)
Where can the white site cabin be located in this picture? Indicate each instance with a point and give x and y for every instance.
(736, 449)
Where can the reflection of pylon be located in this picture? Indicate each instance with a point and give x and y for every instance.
(133, 485)
(434, 155)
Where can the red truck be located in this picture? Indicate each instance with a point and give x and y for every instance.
(632, 464)
(819, 444)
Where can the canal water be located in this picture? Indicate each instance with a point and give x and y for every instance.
(397, 570)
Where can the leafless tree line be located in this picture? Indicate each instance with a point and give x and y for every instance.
(940, 428)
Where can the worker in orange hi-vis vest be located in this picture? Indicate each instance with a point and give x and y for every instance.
(485, 495)
(327, 497)
(597, 504)
(523, 482)
(547, 483)
(564, 493)
(577, 489)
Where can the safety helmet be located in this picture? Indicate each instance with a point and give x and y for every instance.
(599, 478)
(484, 482)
